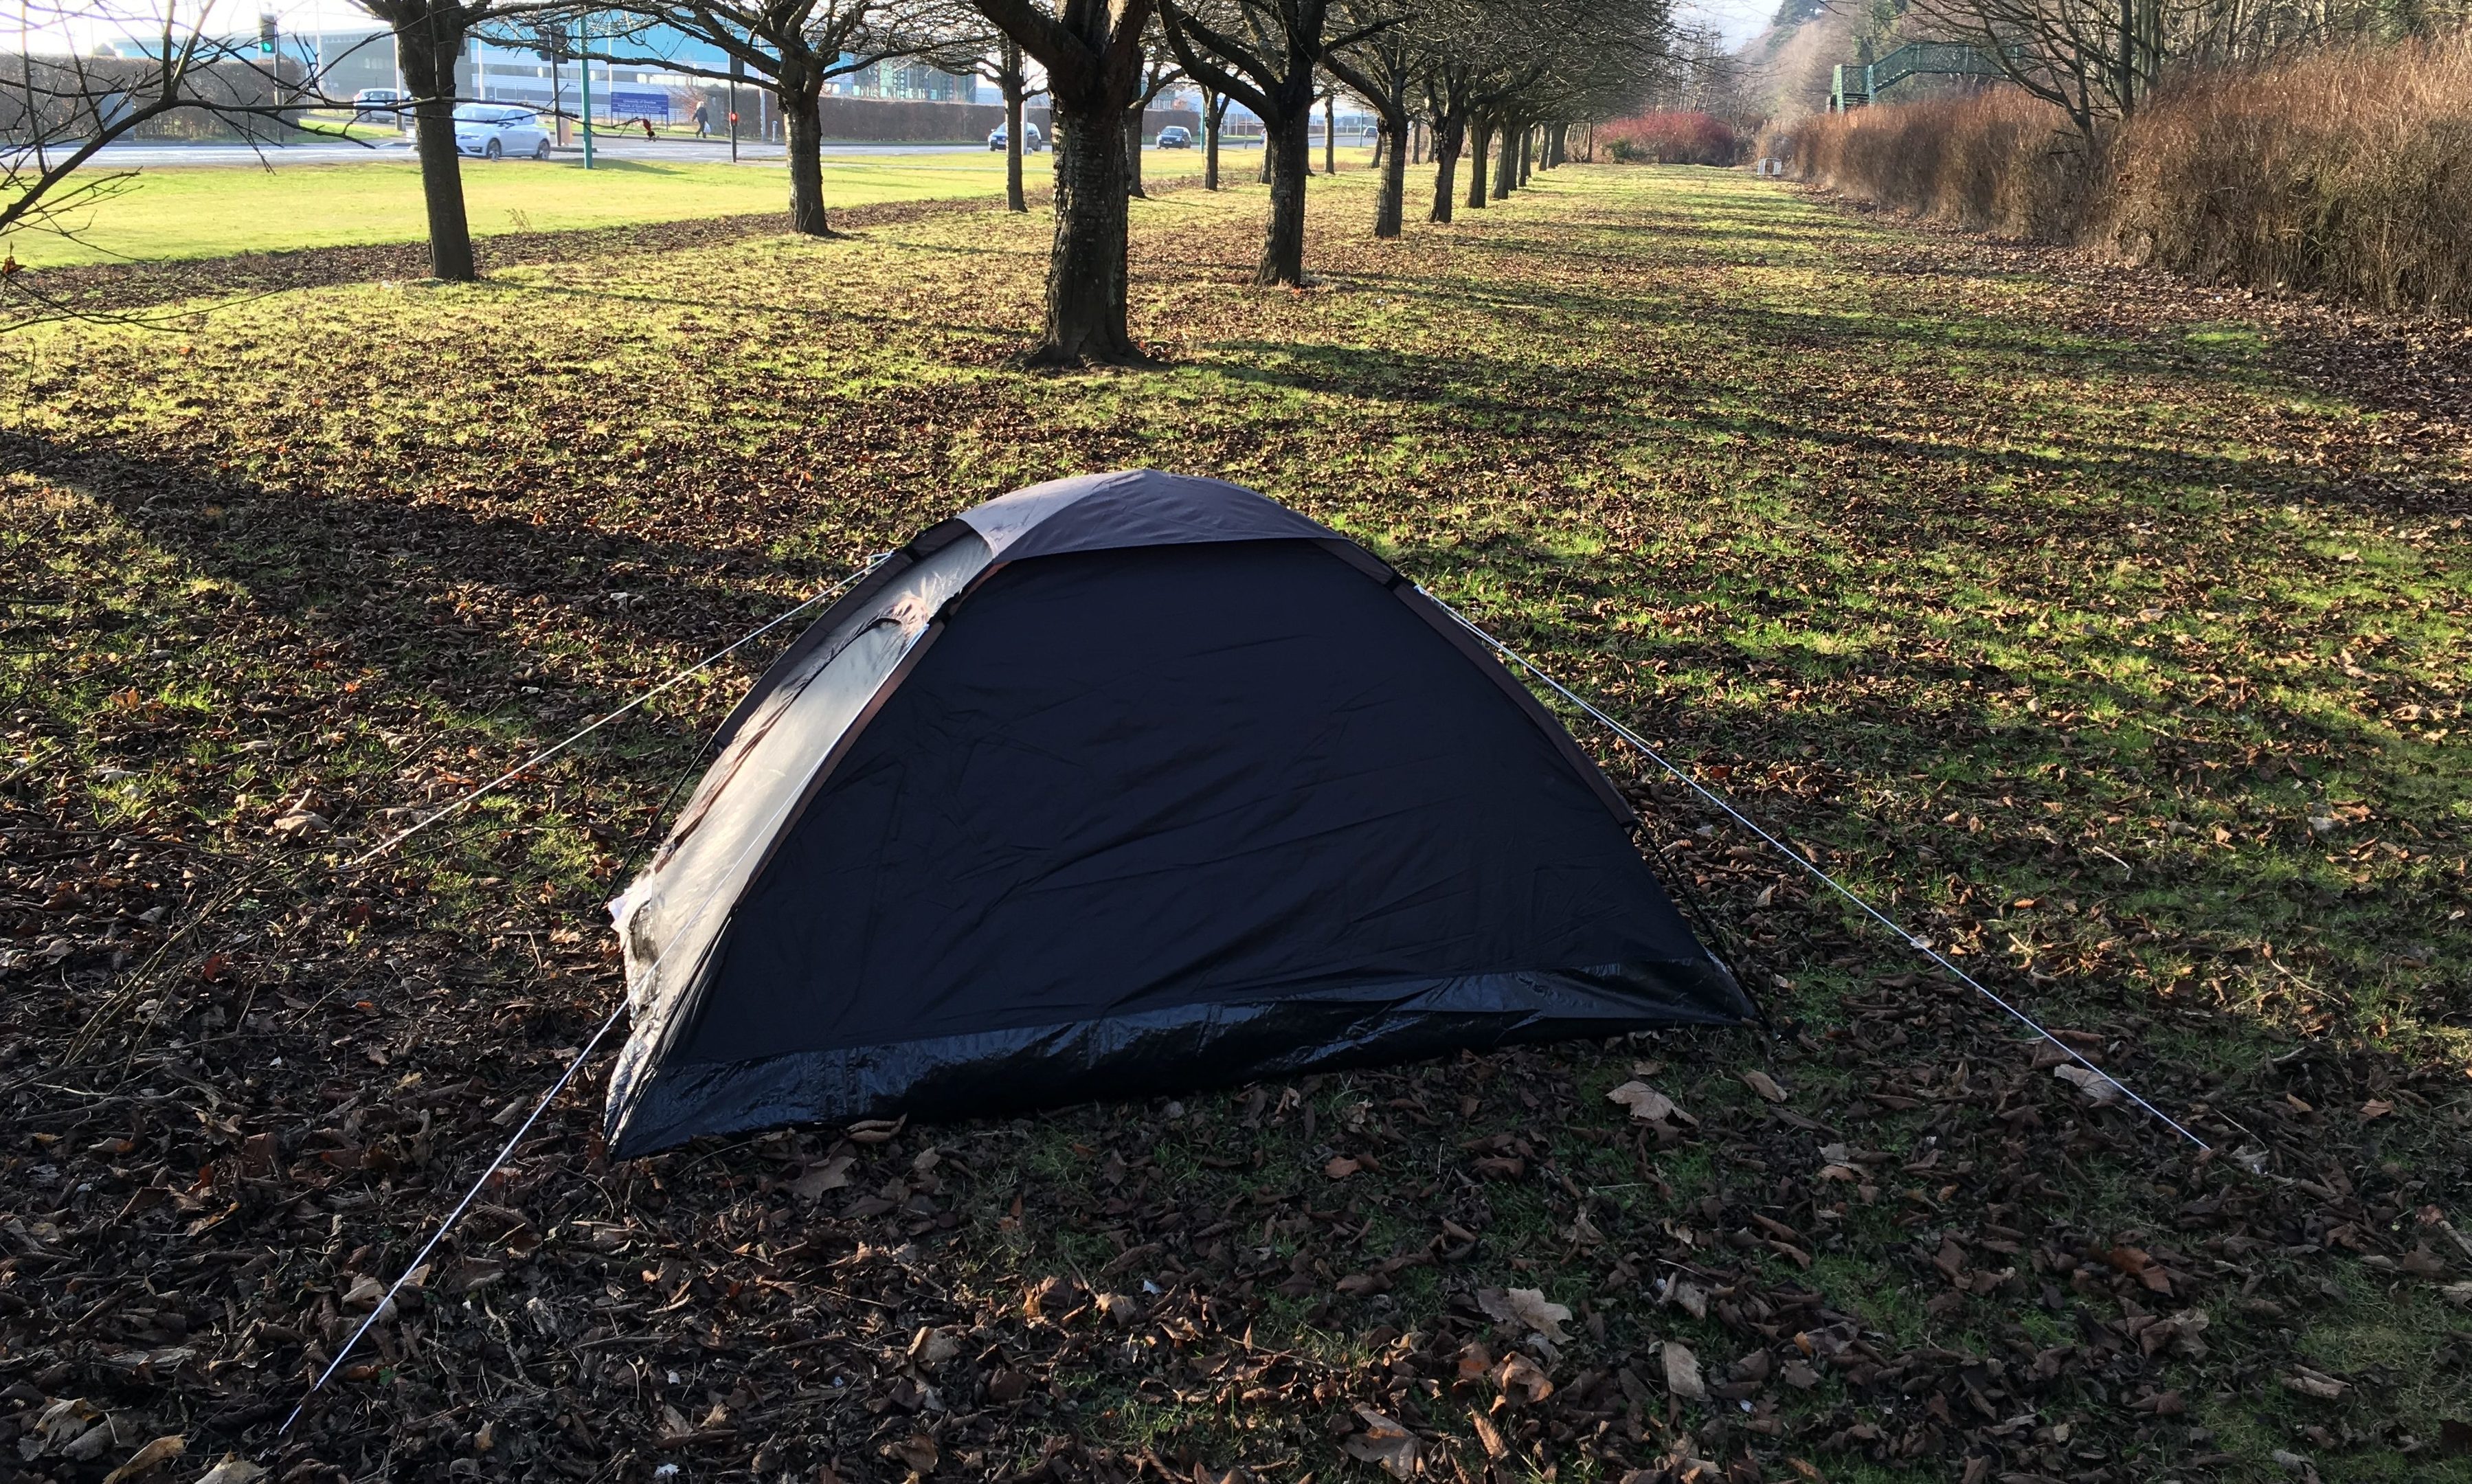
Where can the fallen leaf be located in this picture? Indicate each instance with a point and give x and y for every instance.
(1765, 1086)
(2375, 1108)
(1384, 1442)
(1527, 1307)
(932, 1347)
(2099, 1088)
(1687, 1296)
(145, 1460)
(1487, 1436)
(1649, 1106)
(1522, 1380)
(66, 1419)
(233, 1470)
(2314, 1383)
(874, 1131)
(1682, 1372)
(816, 1179)
(1341, 1168)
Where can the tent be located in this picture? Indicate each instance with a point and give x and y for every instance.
(1122, 785)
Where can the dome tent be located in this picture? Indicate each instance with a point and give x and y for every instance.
(1122, 785)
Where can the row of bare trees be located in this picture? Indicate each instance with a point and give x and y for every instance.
(1473, 77)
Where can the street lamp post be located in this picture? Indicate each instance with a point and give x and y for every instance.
(584, 56)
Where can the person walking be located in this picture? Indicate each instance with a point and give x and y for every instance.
(703, 119)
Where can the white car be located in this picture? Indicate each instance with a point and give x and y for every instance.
(494, 131)
(1030, 141)
(380, 104)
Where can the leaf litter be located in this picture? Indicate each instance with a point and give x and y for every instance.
(263, 612)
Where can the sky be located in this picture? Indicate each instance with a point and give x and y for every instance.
(79, 24)
(1738, 21)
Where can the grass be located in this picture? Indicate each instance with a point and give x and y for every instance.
(175, 212)
(2061, 614)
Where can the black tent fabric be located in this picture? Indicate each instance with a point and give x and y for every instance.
(1122, 785)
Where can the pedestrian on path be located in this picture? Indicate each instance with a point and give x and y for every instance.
(703, 120)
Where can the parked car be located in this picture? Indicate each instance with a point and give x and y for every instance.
(380, 104)
(1175, 136)
(1032, 142)
(494, 131)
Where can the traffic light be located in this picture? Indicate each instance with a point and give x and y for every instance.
(267, 34)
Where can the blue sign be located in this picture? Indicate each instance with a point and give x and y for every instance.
(632, 102)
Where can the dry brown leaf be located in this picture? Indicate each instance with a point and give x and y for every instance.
(145, 1460)
(1487, 1436)
(1764, 1084)
(2098, 1088)
(1522, 1380)
(1682, 1372)
(233, 1470)
(1384, 1442)
(1649, 1106)
(1527, 1307)
(2314, 1383)
(816, 1179)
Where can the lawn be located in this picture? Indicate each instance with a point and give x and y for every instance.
(213, 212)
(2109, 634)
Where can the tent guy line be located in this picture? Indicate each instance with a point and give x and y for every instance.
(1914, 941)
(550, 752)
(386, 1305)
(583, 1054)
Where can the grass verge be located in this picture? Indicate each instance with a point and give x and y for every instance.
(2104, 632)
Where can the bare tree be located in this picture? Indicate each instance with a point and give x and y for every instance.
(964, 42)
(1214, 118)
(796, 46)
(2093, 59)
(1159, 73)
(429, 38)
(1092, 51)
(1384, 66)
(1265, 54)
(60, 113)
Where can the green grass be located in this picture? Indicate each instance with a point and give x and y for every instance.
(2060, 614)
(173, 212)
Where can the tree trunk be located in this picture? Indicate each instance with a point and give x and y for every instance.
(1287, 151)
(1015, 199)
(796, 88)
(1527, 138)
(1331, 134)
(428, 63)
(1213, 109)
(1448, 138)
(1480, 149)
(1134, 151)
(1390, 204)
(1085, 273)
(1506, 163)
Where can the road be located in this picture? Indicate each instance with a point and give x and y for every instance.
(606, 145)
